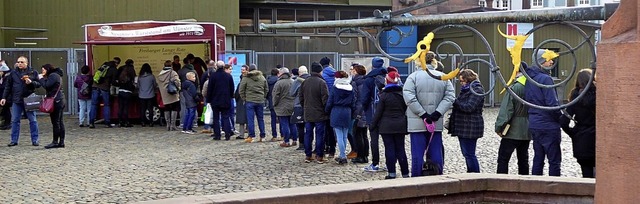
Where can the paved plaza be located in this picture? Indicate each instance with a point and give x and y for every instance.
(122, 165)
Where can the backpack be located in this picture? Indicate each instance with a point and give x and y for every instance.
(379, 83)
(98, 77)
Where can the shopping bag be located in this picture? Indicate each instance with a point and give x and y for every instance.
(208, 115)
(32, 102)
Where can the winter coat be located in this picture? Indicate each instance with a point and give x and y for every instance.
(147, 86)
(541, 119)
(205, 77)
(466, 116)
(358, 81)
(220, 89)
(131, 74)
(271, 82)
(424, 94)
(295, 89)
(109, 79)
(368, 91)
(81, 79)
(328, 74)
(313, 97)
(341, 103)
(166, 75)
(514, 113)
(391, 111)
(183, 73)
(282, 100)
(52, 83)
(17, 89)
(241, 110)
(254, 88)
(189, 91)
(583, 134)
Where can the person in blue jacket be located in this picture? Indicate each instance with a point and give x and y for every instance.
(328, 74)
(341, 104)
(544, 125)
(374, 82)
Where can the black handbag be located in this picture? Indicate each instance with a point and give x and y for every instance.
(298, 115)
(171, 86)
(32, 102)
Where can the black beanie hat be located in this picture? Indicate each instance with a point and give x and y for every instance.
(325, 61)
(315, 67)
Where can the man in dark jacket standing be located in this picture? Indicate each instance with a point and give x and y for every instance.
(303, 74)
(373, 83)
(219, 95)
(544, 125)
(5, 111)
(271, 81)
(101, 90)
(313, 97)
(21, 83)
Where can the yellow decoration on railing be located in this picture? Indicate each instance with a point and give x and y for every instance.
(516, 54)
(450, 75)
(549, 55)
(420, 52)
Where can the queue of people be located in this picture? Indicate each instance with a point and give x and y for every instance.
(334, 108)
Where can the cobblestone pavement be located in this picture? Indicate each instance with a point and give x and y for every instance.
(134, 164)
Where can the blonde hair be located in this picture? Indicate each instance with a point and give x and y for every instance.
(191, 75)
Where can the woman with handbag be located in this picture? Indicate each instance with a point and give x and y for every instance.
(467, 122)
(51, 80)
(168, 83)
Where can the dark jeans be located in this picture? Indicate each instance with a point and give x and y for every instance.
(308, 138)
(546, 143)
(225, 120)
(507, 146)
(255, 110)
(419, 142)
(124, 98)
(588, 167)
(17, 109)
(190, 114)
(287, 130)
(57, 122)
(6, 114)
(146, 106)
(394, 151)
(96, 96)
(300, 127)
(274, 122)
(468, 147)
(361, 141)
(329, 139)
(375, 146)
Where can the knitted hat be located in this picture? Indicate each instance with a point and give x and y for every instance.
(393, 78)
(377, 62)
(284, 70)
(316, 68)
(539, 57)
(392, 69)
(325, 61)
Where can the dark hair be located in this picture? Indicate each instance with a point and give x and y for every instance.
(190, 56)
(48, 67)
(227, 66)
(341, 74)
(185, 61)
(85, 69)
(468, 75)
(168, 63)
(176, 56)
(128, 62)
(360, 69)
(275, 71)
(581, 82)
(199, 61)
(117, 60)
(146, 68)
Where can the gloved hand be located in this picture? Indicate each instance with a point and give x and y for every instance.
(424, 116)
(435, 116)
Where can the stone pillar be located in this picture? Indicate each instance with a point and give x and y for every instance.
(618, 121)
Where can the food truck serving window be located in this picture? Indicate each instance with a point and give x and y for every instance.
(154, 54)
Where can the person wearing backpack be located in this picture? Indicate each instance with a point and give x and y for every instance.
(372, 87)
(426, 98)
(103, 78)
(83, 84)
(171, 100)
(126, 75)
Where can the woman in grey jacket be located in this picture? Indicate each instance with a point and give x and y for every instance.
(427, 99)
(147, 93)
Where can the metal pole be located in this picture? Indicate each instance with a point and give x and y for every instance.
(524, 16)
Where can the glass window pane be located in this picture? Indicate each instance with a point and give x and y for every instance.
(265, 17)
(326, 16)
(285, 16)
(304, 16)
(366, 14)
(348, 15)
(246, 20)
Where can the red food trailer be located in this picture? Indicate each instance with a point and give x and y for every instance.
(151, 42)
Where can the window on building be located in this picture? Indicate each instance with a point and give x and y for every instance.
(326, 15)
(304, 16)
(501, 4)
(536, 4)
(285, 16)
(482, 3)
(246, 20)
(265, 16)
(584, 3)
(561, 3)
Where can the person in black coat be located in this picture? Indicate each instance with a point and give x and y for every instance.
(21, 83)
(219, 95)
(466, 118)
(125, 80)
(5, 111)
(390, 120)
(583, 133)
(51, 80)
